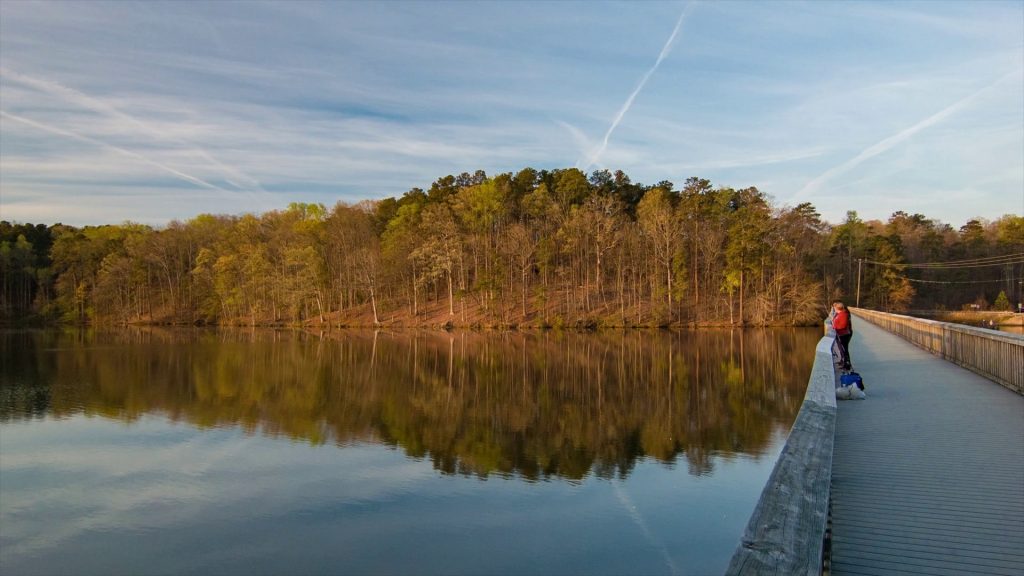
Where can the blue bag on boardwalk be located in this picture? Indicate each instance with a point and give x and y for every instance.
(851, 378)
(851, 387)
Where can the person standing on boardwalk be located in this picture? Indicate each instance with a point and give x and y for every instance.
(843, 326)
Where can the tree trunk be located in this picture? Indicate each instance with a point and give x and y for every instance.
(415, 296)
(451, 297)
(373, 304)
(696, 279)
(524, 290)
(668, 285)
(741, 296)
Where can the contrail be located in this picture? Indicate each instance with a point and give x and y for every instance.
(578, 137)
(888, 143)
(119, 150)
(643, 81)
(631, 509)
(97, 105)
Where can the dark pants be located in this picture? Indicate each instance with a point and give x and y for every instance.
(844, 348)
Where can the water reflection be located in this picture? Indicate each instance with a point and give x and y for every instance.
(532, 405)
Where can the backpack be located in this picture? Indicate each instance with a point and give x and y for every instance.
(851, 387)
(851, 378)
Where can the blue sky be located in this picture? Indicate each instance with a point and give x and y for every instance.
(155, 111)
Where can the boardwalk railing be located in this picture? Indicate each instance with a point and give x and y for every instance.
(996, 355)
(786, 532)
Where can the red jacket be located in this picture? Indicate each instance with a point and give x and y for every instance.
(841, 323)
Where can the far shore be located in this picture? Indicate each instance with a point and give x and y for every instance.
(439, 320)
(973, 317)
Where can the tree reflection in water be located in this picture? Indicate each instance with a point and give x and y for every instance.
(535, 405)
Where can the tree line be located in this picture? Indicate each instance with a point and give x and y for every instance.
(533, 248)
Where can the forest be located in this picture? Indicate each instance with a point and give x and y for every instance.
(548, 248)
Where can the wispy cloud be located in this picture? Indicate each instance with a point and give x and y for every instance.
(746, 161)
(234, 176)
(665, 50)
(888, 143)
(134, 155)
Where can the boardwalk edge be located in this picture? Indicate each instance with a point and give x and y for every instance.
(787, 528)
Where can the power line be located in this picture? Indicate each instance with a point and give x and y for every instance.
(1006, 260)
(960, 267)
(937, 266)
(959, 281)
(993, 263)
(973, 260)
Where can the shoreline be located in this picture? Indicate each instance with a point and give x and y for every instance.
(973, 318)
(981, 319)
(447, 327)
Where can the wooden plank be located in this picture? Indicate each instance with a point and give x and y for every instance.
(921, 512)
(931, 565)
(973, 501)
(922, 528)
(885, 543)
(966, 542)
(888, 543)
(861, 567)
(933, 559)
(857, 570)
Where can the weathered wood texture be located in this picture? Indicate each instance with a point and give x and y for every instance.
(785, 533)
(996, 355)
(928, 472)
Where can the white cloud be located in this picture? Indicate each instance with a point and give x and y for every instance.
(895, 139)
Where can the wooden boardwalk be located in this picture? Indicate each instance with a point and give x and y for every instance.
(928, 472)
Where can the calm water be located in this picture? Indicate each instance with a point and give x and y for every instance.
(268, 452)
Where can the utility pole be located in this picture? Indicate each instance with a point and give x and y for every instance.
(859, 262)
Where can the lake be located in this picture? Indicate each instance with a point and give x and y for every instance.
(181, 451)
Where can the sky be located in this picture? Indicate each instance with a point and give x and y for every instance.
(151, 111)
